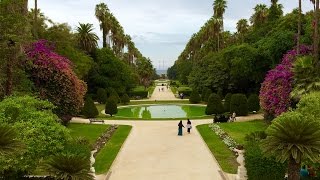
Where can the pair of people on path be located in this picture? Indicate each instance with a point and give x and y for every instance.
(180, 126)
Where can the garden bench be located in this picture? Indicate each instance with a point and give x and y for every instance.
(96, 120)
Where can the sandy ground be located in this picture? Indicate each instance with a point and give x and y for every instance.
(166, 94)
(153, 150)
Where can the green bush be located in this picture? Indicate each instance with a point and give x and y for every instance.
(111, 106)
(239, 104)
(253, 103)
(141, 94)
(214, 105)
(102, 96)
(185, 90)
(113, 93)
(125, 99)
(89, 109)
(195, 97)
(260, 167)
(227, 100)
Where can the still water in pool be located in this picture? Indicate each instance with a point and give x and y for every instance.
(161, 111)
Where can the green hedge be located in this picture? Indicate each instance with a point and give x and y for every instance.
(214, 105)
(227, 100)
(186, 91)
(195, 97)
(253, 103)
(141, 94)
(260, 167)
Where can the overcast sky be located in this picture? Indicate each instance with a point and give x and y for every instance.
(159, 28)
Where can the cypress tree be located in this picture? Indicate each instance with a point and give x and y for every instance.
(214, 105)
(102, 96)
(125, 99)
(111, 106)
(89, 109)
(239, 104)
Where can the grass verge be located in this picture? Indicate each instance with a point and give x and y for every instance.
(239, 130)
(109, 152)
(224, 156)
(90, 131)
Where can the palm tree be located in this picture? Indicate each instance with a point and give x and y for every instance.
(35, 31)
(217, 22)
(8, 140)
(293, 137)
(102, 14)
(219, 8)
(69, 167)
(87, 40)
(242, 28)
(260, 15)
(299, 27)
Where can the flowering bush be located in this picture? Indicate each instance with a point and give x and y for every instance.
(276, 88)
(55, 80)
(227, 140)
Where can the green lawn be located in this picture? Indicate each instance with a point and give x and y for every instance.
(107, 154)
(89, 131)
(239, 130)
(224, 156)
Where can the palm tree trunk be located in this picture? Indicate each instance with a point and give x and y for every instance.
(316, 33)
(35, 32)
(104, 38)
(299, 28)
(293, 169)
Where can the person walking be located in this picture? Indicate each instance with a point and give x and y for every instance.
(189, 126)
(233, 116)
(180, 126)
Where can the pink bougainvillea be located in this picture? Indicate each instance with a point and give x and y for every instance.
(277, 86)
(54, 78)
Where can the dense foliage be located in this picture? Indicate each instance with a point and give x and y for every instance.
(253, 103)
(53, 77)
(89, 109)
(239, 104)
(214, 105)
(111, 106)
(195, 97)
(125, 99)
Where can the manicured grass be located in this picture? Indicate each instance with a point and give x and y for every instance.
(90, 131)
(239, 130)
(224, 156)
(107, 154)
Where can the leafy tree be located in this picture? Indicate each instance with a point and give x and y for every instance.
(125, 99)
(9, 143)
(253, 103)
(111, 106)
(214, 105)
(195, 97)
(102, 96)
(239, 104)
(89, 109)
(293, 137)
(227, 100)
(55, 80)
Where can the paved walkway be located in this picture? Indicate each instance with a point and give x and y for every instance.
(166, 94)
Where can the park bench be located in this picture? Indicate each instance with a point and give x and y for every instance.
(96, 120)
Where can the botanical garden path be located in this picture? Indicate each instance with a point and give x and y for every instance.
(154, 151)
(166, 94)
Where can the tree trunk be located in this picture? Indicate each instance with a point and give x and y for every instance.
(104, 38)
(35, 23)
(316, 34)
(299, 28)
(293, 169)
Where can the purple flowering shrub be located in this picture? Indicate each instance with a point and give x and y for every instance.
(278, 83)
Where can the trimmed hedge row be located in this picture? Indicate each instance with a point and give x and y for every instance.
(141, 94)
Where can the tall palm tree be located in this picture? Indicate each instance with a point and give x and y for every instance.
(242, 28)
(87, 40)
(260, 15)
(102, 14)
(219, 8)
(68, 167)
(217, 23)
(8, 140)
(299, 27)
(293, 137)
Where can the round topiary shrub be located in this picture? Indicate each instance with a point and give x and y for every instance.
(214, 105)
(227, 100)
(102, 96)
(253, 103)
(239, 104)
(111, 106)
(89, 109)
(125, 99)
(113, 93)
(195, 97)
